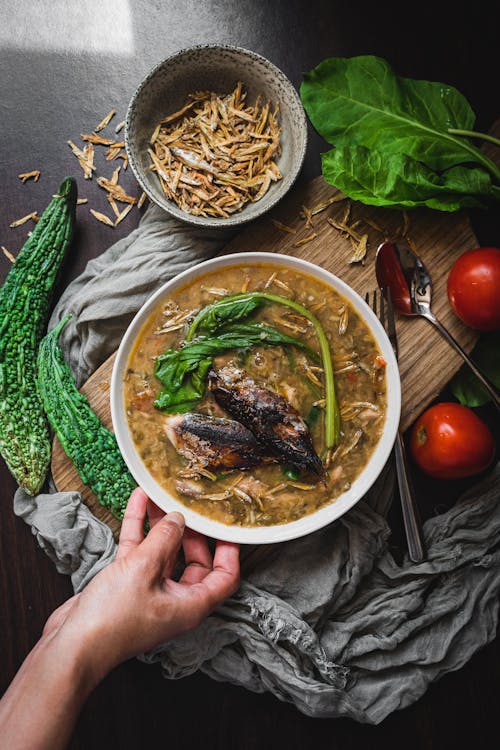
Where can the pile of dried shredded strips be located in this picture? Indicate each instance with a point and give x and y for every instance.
(216, 153)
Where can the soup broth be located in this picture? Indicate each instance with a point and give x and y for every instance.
(273, 490)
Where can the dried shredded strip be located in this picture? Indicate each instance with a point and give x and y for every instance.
(305, 240)
(114, 151)
(216, 291)
(120, 126)
(115, 175)
(354, 441)
(97, 139)
(105, 121)
(81, 201)
(34, 175)
(344, 321)
(347, 368)
(283, 227)
(406, 224)
(141, 200)
(270, 280)
(114, 206)
(8, 254)
(123, 214)
(29, 217)
(308, 216)
(102, 218)
(360, 248)
(328, 202)
(116, 191)
(282, 285)
(345, 229)
(291, 326)
(156, 133)
(85, 158)
(373, 225)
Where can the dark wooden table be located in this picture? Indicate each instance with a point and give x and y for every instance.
(63, 67)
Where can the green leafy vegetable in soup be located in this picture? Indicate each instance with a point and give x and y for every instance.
(253, 407)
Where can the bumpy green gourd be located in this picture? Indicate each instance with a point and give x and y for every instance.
(25, 299)
(89, 445)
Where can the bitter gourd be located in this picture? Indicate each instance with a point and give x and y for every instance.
(25, 300)
(90, 446)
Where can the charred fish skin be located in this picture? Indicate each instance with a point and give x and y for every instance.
(269, 416)
(214, 443)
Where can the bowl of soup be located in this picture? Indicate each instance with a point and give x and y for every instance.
(258, 394)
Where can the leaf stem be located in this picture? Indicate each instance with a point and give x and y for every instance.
(475, 134)
(488, 163)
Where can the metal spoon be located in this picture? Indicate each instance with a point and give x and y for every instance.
(403, 272)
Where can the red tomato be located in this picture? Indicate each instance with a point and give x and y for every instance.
(449, 441)
(474, 288)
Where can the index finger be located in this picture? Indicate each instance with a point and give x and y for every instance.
(224, 578)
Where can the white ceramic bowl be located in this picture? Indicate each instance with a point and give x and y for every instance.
(214, 67)
(278, 532)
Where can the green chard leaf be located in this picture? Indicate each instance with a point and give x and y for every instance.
(226, 310)
(403, 125)
(400, 182)
(183, 371)
(465, 386)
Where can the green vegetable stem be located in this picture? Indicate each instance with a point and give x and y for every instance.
(397, 141)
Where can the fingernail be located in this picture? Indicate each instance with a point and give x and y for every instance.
(177, 518)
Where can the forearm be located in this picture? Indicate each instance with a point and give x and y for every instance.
(40, 708)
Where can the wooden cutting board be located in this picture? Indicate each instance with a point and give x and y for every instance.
(426, 361)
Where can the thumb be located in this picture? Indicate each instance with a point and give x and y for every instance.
(163, 542)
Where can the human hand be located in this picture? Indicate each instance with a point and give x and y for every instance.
(133, 604)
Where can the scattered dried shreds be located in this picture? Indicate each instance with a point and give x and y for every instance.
(102, 218)
(85, 158)
(115, 191)
(106, 120)
(283, 227)
(8, 254)
(34, 175)
(216, 153)
(24, 219)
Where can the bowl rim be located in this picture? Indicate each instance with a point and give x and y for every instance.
(278, 532)
(237, 219)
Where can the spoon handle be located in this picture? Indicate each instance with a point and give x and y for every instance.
(486, 382)
(411, 518)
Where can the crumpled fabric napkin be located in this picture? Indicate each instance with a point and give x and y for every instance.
(328, 622)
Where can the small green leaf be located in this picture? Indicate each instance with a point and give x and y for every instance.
(465, 386)
(290, 472)
(225, 311)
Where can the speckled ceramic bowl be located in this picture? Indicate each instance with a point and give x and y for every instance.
(217, 68)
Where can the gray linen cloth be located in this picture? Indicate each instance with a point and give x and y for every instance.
(328, 622)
